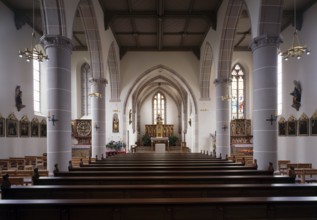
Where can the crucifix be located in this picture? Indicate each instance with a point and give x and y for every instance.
(224, 127)
(273, 118)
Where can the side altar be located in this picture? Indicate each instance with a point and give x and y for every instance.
(159, 134)
(241, 137)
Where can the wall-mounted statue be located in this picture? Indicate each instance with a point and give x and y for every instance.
(115, 123)
(297, 95)
(18, 98)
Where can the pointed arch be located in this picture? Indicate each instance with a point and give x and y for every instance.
(90, 25)
(233, 12)
(205, 71)
(53, 16)
(114, 76)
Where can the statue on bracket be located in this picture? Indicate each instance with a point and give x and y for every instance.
(18, 98)
(297, 94)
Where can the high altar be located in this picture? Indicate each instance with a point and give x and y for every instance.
(159, 134)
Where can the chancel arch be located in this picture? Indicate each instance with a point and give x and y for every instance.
(170, 81)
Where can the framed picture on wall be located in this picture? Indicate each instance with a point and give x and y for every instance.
(24, 127)
(2, 127)
(303, 125)
(12, 128)
(292, 126)
(35, 128)
(282, 128)
(43, 128)
(313, 125)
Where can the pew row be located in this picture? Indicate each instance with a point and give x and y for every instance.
(153, 164)
(166, 173)
(131, 168)
(157, 191)
(306, 175)
(229, 208)
(126, 180)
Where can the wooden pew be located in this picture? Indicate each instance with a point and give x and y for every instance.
(229, 208)
(306, 174)
(153, 164)
(171, 167)
(158, 191)
(166, 173)
(125, 180)
(15, 180)
(23, 173)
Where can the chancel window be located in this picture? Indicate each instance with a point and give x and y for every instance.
(36, 87)
(238, 93)
(85, 89)
(159, 107)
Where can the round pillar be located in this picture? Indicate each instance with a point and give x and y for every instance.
(222, 117)
(98, 135)
(58, 49)
(265, 50)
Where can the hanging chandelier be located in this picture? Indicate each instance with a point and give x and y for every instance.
(296, 50)
(33, 53)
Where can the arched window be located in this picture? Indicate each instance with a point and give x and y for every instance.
(238, 93)
(159, 107)
(85, 89)
(279, 84)
(36, 86)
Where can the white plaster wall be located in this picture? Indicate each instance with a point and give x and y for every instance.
(16, 71)
(300, 148)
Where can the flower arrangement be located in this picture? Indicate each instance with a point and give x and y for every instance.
(115, 145)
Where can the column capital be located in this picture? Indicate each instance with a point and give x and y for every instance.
(265, 40)
(219, 81)
(98, 81)
(56, 41)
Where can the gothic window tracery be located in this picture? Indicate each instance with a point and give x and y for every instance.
(238, 102)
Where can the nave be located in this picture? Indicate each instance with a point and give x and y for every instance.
(161, 186)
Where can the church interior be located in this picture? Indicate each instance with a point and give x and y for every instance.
(84, 81)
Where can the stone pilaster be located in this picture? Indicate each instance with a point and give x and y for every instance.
(58, 49)
(265, 50)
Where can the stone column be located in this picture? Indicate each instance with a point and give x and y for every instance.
(222, 117)
(58, 49)
(265, 50)
(98, 135)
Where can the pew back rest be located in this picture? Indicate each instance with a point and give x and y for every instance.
(299, 165)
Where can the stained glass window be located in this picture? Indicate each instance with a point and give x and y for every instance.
(237, 93)
(159, 106)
